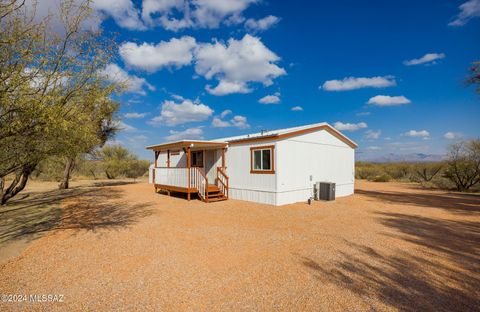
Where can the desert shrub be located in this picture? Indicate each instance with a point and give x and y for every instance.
(367, 170)
(398, 171)
(381, 178)
(50, 169)
(136, 168)
(425, 172)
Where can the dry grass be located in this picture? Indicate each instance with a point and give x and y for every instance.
(389, 247)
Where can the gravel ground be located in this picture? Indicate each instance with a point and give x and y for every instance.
(389, 247)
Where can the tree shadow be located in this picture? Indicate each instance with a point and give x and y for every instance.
(91, 209)
(436, 269)
(458, 203)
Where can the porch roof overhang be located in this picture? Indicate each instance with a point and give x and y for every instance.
(185, 144)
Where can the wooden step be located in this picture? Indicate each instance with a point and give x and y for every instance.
(215, 199)
(212, 188)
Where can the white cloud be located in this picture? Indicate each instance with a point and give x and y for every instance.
(225, 113)
(373, 148)
(226, 87)
(188, 134)
(240, 122)
(297, 108)
(237, 121)
(174, 53)
(173, 114)
(349, 126)
(122, 11)
(261, 24)
(270, 99)
(210, 13)
(372, 135)
(237, 63)
(135, 115)
(352, 83)
(125, 127)
(180, 14)
(137, 141)
(427, 58)
(468, 10)
(132, 83)
(452, 135)
(417, 134)
(386, 100)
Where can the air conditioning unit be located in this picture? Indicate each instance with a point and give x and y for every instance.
(324, 191)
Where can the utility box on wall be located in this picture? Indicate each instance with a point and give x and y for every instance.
(324, 191)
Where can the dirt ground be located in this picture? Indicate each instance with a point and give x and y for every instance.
(389, 247)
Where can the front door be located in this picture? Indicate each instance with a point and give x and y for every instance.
(210, 165)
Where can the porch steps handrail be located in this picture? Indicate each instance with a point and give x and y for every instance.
(222, 179)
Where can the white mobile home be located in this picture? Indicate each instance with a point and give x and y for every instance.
(273, 167)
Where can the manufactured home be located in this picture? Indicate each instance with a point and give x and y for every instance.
(273, 167)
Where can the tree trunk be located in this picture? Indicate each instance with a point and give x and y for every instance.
(17, 185)
(66, 174)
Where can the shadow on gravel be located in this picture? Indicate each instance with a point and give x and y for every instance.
(85, 208)
(458, 203)
(439, 273)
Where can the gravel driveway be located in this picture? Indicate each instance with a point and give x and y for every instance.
(389, 247)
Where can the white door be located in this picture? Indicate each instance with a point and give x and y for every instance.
(210, 166)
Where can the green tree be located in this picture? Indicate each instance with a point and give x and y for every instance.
(52, 94)
(137, 168)
(463, 164)
(116, 160)
(426, 171)
(474, 77)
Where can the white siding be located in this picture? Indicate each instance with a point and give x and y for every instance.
(179, 160)
(245, 185)
(319, 155)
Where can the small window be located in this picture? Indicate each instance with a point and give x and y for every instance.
(262, 159)
(197, 159)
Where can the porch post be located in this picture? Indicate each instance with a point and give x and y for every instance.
(223, 158)
(188, 166)
(168, 158)
(154, 169)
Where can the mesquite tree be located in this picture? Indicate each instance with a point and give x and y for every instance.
(52, 95)
(463, 165)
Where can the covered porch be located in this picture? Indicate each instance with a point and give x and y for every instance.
(191, 167)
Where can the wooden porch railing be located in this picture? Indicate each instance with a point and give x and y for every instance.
(222, 180)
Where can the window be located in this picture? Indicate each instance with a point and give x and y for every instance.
(262, 159)
(197, 159)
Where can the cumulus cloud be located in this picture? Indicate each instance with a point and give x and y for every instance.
(468, 10)
(372, 135)
(386, 100)
(270, 99)
(349, 126)
(149, 57)
(236, 64)
(237, 121)
(228, 87)
(176, 15)
(173, 114)
(352, 83)
(417, 134)
(135, 115)
(263, 24)
(187, 134)
(132, 83)
(297, 108)
(124, 12)
(452, 135)
(429, 58)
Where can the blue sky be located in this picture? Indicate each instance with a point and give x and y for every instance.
(200, 69)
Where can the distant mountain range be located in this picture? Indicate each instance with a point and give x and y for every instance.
(414, 157)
